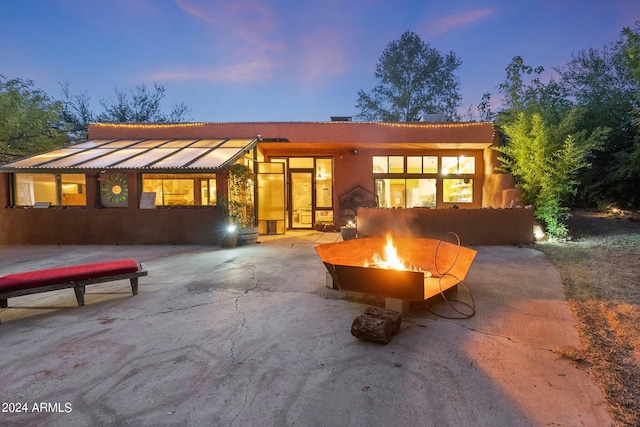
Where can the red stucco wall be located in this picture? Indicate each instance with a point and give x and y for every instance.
(93, 225)
(473, 226)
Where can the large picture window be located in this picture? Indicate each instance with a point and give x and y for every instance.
(181, 190)
(406, 193)
(53, 189)
(446, 179)
(457, 190)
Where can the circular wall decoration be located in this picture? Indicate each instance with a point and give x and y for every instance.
(114, 190)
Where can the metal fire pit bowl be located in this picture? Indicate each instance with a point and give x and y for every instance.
(346, 263)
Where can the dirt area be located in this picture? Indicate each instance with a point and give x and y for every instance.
(600, 268)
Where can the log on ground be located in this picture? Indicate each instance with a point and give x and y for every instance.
(371, 328)
(384, 313)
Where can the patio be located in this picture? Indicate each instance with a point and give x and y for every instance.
(252, 336)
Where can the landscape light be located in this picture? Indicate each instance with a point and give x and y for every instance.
(538, 232)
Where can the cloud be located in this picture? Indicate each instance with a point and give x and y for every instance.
(256, 42)
(251, 22)
(256, 70)
(243, 36)
(458, 20)
(321, 56)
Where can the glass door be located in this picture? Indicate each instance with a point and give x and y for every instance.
(271, 198)
(301, 199)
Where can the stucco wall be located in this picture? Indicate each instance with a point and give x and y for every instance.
(473, 226)
(108, 226)
(93, 225)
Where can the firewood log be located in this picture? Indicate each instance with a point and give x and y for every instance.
(371, 328)
(384, 313)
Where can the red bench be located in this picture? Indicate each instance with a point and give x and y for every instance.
(76, 277)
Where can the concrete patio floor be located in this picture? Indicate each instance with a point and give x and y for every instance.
(251, 336)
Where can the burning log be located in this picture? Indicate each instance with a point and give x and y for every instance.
(371, 328)
(383, 313)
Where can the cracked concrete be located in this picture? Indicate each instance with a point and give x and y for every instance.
(251, 336)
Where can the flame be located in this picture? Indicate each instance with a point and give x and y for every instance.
(391, 260)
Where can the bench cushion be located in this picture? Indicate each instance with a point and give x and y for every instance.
(54, 276)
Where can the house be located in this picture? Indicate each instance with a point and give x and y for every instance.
(161, 183)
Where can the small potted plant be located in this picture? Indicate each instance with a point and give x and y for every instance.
(349, 231)
(228, 236)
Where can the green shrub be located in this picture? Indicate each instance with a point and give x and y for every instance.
(544, 167)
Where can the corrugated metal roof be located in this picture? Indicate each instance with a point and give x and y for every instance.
(151, 154)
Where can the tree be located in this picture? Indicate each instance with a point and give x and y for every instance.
(414, 79)
(76, 112)
(550, 100)
(484, 108)
(631, 50)
(604, 86)
(141, 105)
(30, 121)
(544, 167)
(515, 93)
(144, 107)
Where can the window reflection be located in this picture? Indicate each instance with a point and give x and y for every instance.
(457, 190)
(180, 190)
(55, 189)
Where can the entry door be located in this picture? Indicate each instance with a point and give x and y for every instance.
(301, 199)
(271, 199)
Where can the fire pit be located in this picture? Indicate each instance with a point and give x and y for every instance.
(412, 269)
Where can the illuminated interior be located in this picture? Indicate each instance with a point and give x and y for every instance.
(271, 198)
(400, 189)
(180, 189)
(406, 193)
(457, 190)
(309, 190)
(55, 189)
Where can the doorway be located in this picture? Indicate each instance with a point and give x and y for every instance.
(309, 191)
(301, 199)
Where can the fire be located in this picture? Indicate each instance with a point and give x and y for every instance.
(391, 260)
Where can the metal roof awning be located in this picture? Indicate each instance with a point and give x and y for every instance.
(149, 154)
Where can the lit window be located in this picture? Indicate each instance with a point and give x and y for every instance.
(380, 164)
(324, 172)
(430, 164)
(72, 188)
(390, 192)
(57, 190)
(180, 190)
(406, 193)
(421, 193)
(458, 165)
(414, 164)
(457, 190)
(396, 164)
(301, 162)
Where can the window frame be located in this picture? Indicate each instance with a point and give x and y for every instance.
(196, 178)
(59, 194)
(427, 158)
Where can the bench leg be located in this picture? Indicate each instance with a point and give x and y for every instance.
(134, 285)
(79, 290)
(4, 303)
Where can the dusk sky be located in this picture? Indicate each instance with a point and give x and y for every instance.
(302, 60)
